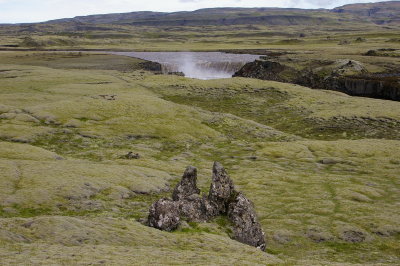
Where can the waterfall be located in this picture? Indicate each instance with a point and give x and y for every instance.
(200, 65)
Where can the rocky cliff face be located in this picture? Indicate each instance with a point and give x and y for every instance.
(371, 86)
(346, 76)
(367, 85)
(151, 66)
(166, 214)
(263, 69)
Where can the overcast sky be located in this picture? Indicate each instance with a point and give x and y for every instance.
(16, 11)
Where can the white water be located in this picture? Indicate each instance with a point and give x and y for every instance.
(200, 65)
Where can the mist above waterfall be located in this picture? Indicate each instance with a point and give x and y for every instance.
(200, 65)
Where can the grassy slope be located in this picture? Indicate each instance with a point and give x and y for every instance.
(67, 195)
(127, 37)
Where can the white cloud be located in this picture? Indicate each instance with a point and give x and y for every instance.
(42, 10)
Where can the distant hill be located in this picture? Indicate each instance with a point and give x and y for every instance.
(382, 12)
(379, 13)
(209, 16)
(117, 18)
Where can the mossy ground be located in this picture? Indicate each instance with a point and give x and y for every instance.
(321, 167)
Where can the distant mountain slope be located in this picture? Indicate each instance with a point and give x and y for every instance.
(117, 18)
(383, 12)
(380, 9)
(209, 16)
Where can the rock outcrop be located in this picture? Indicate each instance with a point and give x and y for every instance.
(187, 186)
(151, 66)
(348, 76)
(246, 228)
(265, 70)
(221, 190)
(223, 199)
(164, 215)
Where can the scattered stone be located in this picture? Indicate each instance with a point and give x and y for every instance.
(166, 214)
(353, 236)
(328, 161)
(108, 97)
(318, 235)
(386, 230)
(130, 155)
(28, 224)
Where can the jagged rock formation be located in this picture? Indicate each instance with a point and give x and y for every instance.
(246, 228)
(187, 195)
(221, 190)
(223, 199)
(187, 186)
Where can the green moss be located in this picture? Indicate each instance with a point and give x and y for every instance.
(32, 212)
(174, 122)
(341, 247)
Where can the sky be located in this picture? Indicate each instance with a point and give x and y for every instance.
(19, 11)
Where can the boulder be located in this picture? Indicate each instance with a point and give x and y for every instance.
(353, 236)
(195, 208)
(164, 215)
(246, 228)
(130, 155)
